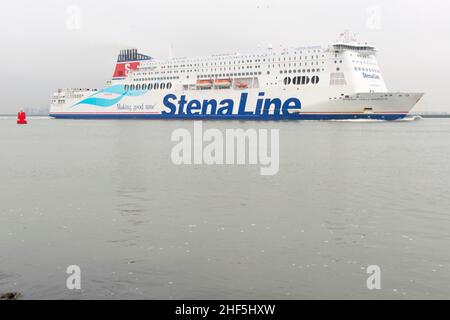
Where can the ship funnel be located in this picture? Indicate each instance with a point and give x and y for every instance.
(127, 60)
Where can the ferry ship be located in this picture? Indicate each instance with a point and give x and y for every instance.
(338, 82)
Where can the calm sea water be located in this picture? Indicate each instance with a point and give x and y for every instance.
(105, 195)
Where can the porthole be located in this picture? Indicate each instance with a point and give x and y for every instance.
(315, 80)
(132, 87)
(297, 80)
(287, 80)
(305, 80)
(163, 86)
(156, 86)
(150, 86)
(144, 86)
(169, 85)
(127, 87)
(138, 87)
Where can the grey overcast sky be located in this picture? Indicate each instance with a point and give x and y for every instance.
(45, 46)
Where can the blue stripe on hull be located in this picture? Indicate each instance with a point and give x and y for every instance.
(389, 117)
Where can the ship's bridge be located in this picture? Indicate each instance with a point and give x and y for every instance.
(358, 47)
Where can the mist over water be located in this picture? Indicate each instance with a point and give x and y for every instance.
(106, 196)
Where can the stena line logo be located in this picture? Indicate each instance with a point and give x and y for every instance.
(264, 106)
(371, 76)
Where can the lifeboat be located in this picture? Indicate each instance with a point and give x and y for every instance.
(241, 85)
(222, 83)
(204, 84)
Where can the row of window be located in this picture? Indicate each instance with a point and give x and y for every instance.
(214, 62)
(301, 80)
(157, 78)
(300, 71)
(365, 57)
(364, 62)
(236, 60)
(150, 86)
(234, 74)
(227, 75)
(367, 70)
(226, 69)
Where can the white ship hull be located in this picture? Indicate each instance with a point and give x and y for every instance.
(151, 105)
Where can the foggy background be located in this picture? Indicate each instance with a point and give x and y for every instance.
(49, 44)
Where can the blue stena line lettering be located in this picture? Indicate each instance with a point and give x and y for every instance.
(371, 76)
(264, 106)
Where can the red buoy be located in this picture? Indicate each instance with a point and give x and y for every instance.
(22, 117)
